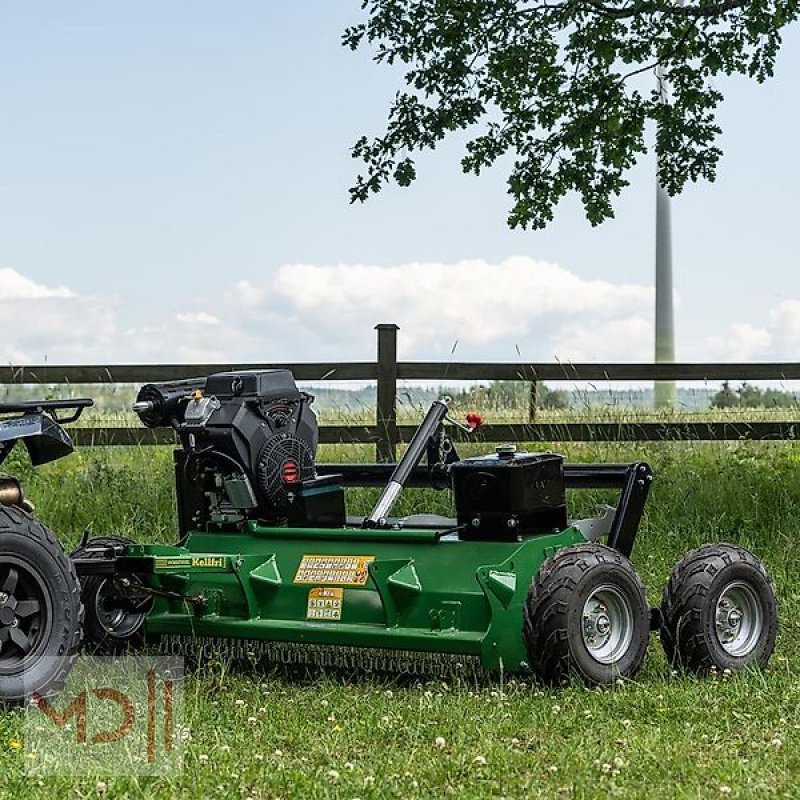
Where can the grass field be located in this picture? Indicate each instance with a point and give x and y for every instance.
(662, 736)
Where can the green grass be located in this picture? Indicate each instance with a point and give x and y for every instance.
(661, 736)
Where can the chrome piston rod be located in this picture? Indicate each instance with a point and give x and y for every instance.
(411, 458)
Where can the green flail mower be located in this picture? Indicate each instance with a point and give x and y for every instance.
(268, 565)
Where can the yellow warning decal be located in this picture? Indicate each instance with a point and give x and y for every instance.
(347, 570)
(325, 602)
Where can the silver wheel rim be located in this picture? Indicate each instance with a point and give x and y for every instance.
(607, 624)
(738, 619)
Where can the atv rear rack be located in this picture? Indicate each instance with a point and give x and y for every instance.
(48, 407)
(37, 424)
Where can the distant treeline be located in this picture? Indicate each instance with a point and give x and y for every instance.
(748, 396)
(494, 395)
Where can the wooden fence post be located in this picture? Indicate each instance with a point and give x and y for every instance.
(386, 412)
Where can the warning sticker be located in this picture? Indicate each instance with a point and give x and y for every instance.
(347, 570)
(325, 602)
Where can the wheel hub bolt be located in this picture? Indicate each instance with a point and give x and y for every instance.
(603, 624)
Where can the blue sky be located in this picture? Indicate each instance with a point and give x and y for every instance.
(173, 186)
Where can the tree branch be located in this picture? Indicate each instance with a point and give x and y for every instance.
(638, 8)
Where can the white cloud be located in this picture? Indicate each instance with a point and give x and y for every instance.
(44, 323)
(243, 293)
(180, 341)
(741, 342)
(197, 318)
(776, 338)
(487, 308)
(785, 323)
(519, 308)
(14, 286)
(627, 339)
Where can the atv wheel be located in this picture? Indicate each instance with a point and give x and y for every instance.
(40, 609)
(586, 615)
(718, 610)
(115, 616)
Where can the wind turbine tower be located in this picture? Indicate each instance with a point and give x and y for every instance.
(665, 392)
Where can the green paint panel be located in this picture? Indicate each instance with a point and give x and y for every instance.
(409, 590)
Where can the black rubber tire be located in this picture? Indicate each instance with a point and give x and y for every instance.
(689, 603)
(96, 637)
(553, 615)
(29, 544)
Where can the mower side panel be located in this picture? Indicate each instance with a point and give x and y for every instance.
(412, 590)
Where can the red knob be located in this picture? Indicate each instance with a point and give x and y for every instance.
(474, 420)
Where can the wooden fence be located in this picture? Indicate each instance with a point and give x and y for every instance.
(386, 371)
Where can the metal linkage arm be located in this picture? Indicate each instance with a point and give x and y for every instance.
(411, 458)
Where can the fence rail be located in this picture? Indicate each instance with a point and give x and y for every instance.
(386, 371)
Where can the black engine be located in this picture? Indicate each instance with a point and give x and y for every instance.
(249, 440)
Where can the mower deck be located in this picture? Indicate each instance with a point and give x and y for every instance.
(412, 589)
